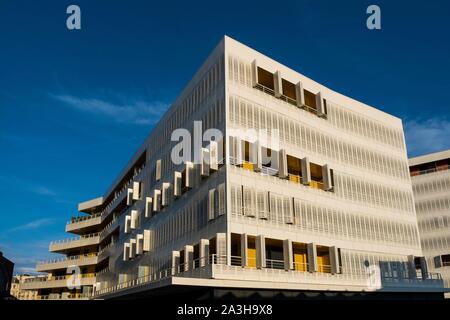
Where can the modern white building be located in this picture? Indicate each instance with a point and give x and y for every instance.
(430, 176)
(328, 206)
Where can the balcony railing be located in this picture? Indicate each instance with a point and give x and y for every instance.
(295, 178)
(83, 218)
(274, 264)
(265, 89)
(316, 184)
(301, 266)
(87, 236)
(288, 100)
(324, 272)
(70, 258)
(73, 296)
(57, 278)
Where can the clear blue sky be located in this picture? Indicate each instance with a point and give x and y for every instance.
(75, 105)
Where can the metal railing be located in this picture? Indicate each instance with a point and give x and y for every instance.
(309, 109)
(83, 237)
(221, 260)
(268, 171)
(57, 278)
(164, 274)
(324, 268)
(70, 258)
(71, 296)
(316, 184)
(236, 260)
(288, 99)
(295, 178)
(274, 264)
(265, 89)
(83, 218)
(301, 266)
(285, 98)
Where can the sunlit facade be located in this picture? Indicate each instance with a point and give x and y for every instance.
(329, 207)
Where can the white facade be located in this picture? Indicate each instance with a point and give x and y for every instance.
(430, 176)
(333, 210)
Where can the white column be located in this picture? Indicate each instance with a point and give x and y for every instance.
(137, 190)
(287, 255)
(321, 111)
(300, 94)
(312, 257)
(334, 259)
(129, 196)
(277, 84)
(158, 170)
(189, 172)
(204, 162)
(165, 197)
(221, 248)
(146, 245)
(175, 262)
(148, 207)
(126, 251)
(157, 200)
(213, 156)
(204, 252)
(177, 184)
(327, 181)
(306, 171)
(260, 252)
(132, 248)
(127, 225)
(244, 250)
(282, 164)
(139, 244)
(188, 257)
(254, 73)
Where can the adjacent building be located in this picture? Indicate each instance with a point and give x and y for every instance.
(430, 177)
(256, 180)
(6, 272)
(18, 292)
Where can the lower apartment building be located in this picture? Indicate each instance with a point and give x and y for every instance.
(257, 179)
(430, 176)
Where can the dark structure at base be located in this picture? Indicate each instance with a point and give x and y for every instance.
(6, 273)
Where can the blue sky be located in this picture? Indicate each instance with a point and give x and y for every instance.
(75, 105)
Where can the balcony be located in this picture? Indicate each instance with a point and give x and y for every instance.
(64, 263)
(87, 279)
(63, 296)
(83, 223)
(273, 276)
(82, 241)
